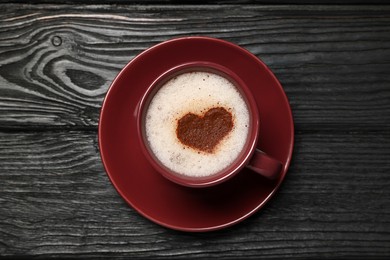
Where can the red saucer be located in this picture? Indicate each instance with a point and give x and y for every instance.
(153, 196)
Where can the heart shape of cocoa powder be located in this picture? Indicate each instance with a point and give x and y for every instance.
(204, 132)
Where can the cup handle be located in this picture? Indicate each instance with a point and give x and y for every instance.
(265, 165)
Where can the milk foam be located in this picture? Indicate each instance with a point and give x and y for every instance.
(195, 92)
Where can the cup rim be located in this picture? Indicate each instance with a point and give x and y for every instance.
(247, 152)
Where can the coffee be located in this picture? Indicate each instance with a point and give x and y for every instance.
(197, 123)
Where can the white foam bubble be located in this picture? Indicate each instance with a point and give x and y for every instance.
(195, 92)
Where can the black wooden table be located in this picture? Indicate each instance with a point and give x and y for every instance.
(58, 60)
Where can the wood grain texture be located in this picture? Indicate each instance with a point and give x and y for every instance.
(57, 61)
(57, 201)
(195, 2)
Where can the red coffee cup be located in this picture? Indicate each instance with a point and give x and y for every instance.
(248, 156)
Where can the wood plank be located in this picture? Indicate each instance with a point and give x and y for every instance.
(196, 2)
(57, 61)
(57, 201)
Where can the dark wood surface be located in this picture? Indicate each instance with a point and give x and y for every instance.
(201, 2)
(57, 62)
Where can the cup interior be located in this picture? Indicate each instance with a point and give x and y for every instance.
(251, 140)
